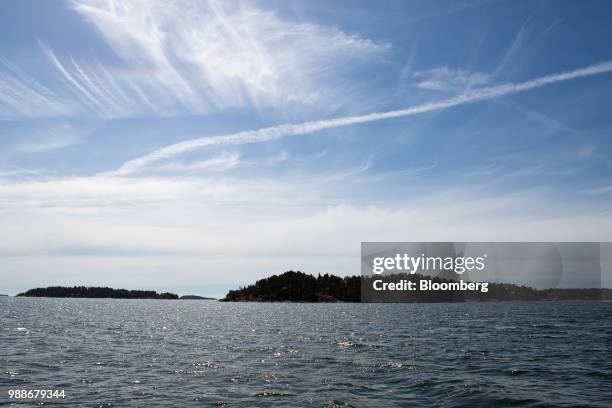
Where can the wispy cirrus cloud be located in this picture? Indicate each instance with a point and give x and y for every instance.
(196, 57)
(349, 173)
(51, 139)
(188, 57)
(447, 79)
(221, 162)
(230, 160)
(22, 96)
(11, 171)
(285, 130)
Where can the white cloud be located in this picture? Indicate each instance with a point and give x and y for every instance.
(23, 96)
(214, 216)
(221, 162)
(229, 160)
(56, 138)
(86, 194)
(447, 79)
(285, 130)
(197, 57)
(346, 174)
(275, 159)
(190, 57)
(206, 230)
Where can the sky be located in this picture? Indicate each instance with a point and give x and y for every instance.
(198, 146)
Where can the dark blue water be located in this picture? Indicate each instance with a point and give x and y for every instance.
(162, 353)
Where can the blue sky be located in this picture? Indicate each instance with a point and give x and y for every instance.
(132, 150)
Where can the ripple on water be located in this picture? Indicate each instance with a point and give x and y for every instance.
(206, 364)
(273, 394)
(339, 404)
(351, 344)
(116, 353)
(211, 400)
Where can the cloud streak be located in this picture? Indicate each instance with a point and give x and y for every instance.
(446, 79)
(198, 57)
(186, 58)
(23, 96)
(52, 139)
(285, 130)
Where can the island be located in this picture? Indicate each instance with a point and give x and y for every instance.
(96, 292)
(296, 286)
(195, 297)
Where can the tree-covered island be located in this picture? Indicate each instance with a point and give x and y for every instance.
(96, 292)
(295, 286)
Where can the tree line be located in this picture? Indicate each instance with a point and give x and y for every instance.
(96, 292)
(295, 286)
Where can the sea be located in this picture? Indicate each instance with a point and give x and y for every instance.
(196, 353)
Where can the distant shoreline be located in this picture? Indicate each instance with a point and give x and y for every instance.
(95, 292)
(296, 286)
(299, 287)
(210, 299)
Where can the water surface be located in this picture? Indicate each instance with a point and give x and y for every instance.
(165, 353)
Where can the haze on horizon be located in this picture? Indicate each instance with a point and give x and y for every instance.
(195, 146)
